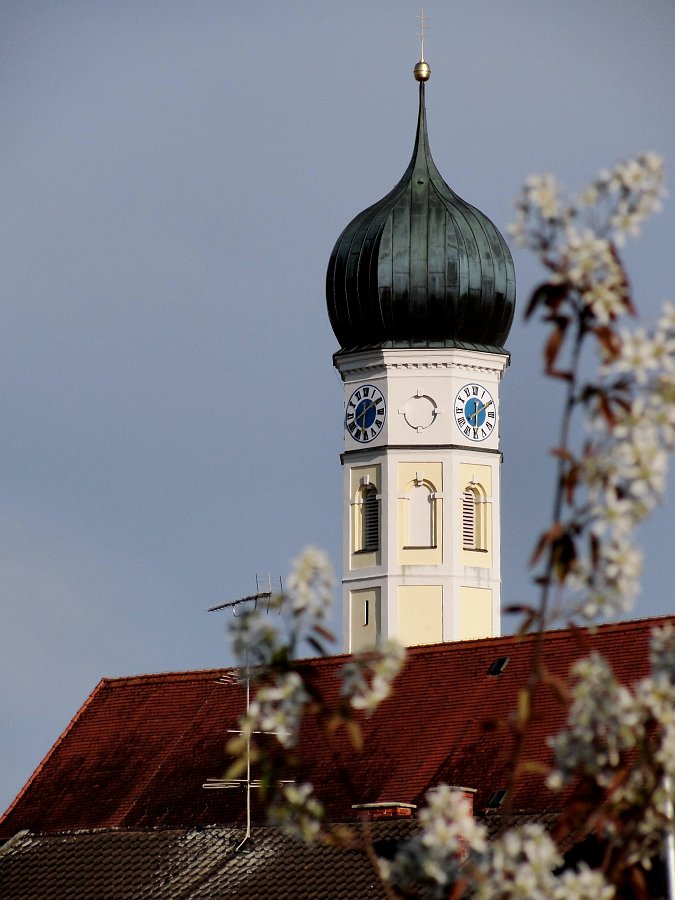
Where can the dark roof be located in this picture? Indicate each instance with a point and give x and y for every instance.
(199, 863)
(154, 864)
(421, 268)
(140, 749)
(195, 863)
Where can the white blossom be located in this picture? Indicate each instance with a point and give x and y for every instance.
(666, 323)
(583, 884)
(520, 863)
(263, 629)
(310, 585)
(434, 856)
(278, 708)
(635, 356)
(367, 679)
(298, 812)
(255, 636)
(589, 265)
(603, 722)
(543, 192)
(662, 651)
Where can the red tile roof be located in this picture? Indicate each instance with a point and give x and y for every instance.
(138, 752)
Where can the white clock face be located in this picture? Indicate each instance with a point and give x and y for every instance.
(365, 414)
(475, 412)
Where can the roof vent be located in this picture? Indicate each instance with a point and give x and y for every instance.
(498, 665)
(496, 799)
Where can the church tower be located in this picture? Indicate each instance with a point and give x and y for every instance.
(421, 294)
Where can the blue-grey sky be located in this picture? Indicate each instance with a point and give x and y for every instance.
(172, 179)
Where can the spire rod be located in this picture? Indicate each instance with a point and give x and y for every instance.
(422, 19)
(422, 70)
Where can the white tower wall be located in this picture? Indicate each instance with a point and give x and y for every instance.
(433, 574)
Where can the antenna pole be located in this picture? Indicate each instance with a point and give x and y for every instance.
(248, 757)
(216, 783)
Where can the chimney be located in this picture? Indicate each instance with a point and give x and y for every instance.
(468, 793)
(393, 809)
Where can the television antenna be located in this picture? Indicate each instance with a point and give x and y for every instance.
(230, 678)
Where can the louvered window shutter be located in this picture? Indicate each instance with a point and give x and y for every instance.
(371, 521)
(469, 520)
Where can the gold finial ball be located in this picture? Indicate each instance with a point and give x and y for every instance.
(422, 71)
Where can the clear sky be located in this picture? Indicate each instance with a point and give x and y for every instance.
(172, 179)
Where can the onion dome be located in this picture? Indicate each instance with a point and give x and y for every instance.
(421, 268)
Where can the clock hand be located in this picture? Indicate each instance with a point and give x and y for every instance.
(372, 406)
(369, 405)
(483, 405)
(478, 409)
(475, 418)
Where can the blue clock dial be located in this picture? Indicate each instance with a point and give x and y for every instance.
(475, 412)
(365, 414)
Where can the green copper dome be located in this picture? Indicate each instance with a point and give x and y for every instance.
(421, 268)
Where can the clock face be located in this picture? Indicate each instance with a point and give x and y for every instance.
(366, 412)
(475, 412)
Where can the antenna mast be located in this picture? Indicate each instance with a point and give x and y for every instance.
(220, 784)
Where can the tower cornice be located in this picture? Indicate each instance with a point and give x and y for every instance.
(370, 362)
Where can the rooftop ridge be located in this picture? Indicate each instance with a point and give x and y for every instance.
(188, 675)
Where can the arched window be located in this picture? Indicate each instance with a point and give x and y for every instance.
(468, 519)
(421, 515)
(474, 520)
(365, 525)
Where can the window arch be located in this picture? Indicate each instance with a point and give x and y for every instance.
(421, 514)
(474, 518)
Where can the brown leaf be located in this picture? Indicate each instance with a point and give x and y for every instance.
(334, 722)
(524, 707)
(325, 633)
(605, 408)
(638, 883)
(562, 374)
(557, 685)
(529, 614)
(320, 649)
(594, 542)
(555, 341)
(548, 537)
(563, 554)
(547, 294)
(341, 836)
(517, 609)
(354, 731)
(535, 768)
(608, 339)
(625, 283)
(570, 482)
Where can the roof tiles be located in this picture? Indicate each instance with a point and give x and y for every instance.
(197, 863)
(138, 752)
